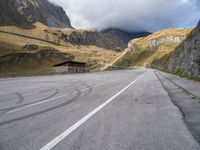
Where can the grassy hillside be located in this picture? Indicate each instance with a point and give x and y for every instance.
(32, 62)
(143, 51)
(15, 40)
(67, 37)
(39, 32)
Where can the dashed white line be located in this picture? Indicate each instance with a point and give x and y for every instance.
(63, 135)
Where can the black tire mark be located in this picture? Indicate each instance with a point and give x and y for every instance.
(89, 87)
(78, 94)
(21, 98)
(11, 108)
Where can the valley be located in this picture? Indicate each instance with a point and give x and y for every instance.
(14, 40)
(99, 75)
(33, 28)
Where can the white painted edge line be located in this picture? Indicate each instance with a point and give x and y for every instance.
(68, 131)
(52, 99)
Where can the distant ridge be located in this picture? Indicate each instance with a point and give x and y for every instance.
(124, 35)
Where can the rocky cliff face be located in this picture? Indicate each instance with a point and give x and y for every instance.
(26, 12)
(166, 40)
(185, 60)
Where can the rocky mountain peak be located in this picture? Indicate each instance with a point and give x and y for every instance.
(26, 12)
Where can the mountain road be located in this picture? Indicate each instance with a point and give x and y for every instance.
(140, 109)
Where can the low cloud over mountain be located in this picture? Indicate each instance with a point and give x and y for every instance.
(131, 15)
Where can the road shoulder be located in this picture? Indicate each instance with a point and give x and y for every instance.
(185, 100)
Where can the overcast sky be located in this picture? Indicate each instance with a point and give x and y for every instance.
(131, 15)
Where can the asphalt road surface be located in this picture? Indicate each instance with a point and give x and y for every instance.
(118, 110)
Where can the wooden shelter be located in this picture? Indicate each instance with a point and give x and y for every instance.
(70, 67)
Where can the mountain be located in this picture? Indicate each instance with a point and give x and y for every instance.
(38, 24)
(185, 60)
(92, 37)
(26, 44)
(124, 35)
(24, 13)
(142, 51)
(73, 36)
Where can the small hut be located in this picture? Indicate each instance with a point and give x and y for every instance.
(70, 67)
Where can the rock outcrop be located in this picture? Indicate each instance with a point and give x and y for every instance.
(26, 12)
(166, 40)
(91, 37)
(185, 60)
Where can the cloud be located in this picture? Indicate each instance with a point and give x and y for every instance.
(130, 15)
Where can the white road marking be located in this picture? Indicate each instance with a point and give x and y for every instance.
(67, 132)
(52, 99)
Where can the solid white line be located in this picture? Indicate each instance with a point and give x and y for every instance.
(63, 135)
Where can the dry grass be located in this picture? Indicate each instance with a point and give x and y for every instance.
(144, 53)
(96, 57)
(161, 34)
(93, 55)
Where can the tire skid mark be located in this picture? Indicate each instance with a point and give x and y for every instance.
(88, 88)
(73, 99)
(15, 107)
(78, 93)
(5, 111)
(20, 97)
